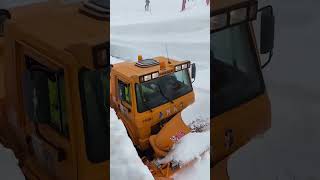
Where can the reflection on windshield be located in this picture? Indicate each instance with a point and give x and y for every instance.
(162, 90)
(236, 74)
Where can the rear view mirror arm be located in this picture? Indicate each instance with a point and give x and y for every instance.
(269, 60)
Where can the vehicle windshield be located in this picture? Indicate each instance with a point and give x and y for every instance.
(159, 91)
(236, 72)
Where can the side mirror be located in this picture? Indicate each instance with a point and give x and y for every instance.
(267, 32)
(193, 72)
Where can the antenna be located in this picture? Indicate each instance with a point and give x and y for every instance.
(167, 54)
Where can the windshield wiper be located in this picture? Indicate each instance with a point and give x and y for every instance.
(161, 92)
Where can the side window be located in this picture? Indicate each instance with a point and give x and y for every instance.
(4, 15)
(124, 92)
(48, 96)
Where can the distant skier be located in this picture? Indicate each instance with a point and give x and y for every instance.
(183, 5)
(147, 6)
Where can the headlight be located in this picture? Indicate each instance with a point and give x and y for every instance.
(101, 56)
(238, 16)
(147, 77)
(219, 21)
(240, 13)
(155, 75)
(184, 66)
(178, 68)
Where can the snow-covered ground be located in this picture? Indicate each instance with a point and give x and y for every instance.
(9, 169)
(181, 35)
(125, 161)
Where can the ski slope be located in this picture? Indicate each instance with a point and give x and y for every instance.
(165, 31)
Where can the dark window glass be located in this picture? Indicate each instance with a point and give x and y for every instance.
(4, 15)
(159, 91)
(124, 92)
(236, 73)
(49, 92)
(94, 91)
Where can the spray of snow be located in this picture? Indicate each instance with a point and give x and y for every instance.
(190, 147)
(199, 169)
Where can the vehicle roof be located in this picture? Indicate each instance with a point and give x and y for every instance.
(59, 26)
(129, 69)
(220, 4)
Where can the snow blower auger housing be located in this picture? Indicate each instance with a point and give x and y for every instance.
(53, 60)
(240, 107)
(148, 95)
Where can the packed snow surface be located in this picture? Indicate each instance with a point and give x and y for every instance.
(124, 157)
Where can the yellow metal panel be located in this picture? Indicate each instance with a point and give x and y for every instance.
(246, 121)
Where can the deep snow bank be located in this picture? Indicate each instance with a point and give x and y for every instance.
(124, 161)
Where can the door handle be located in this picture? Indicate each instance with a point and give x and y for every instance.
(228, 138)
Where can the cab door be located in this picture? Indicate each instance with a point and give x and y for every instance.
(125, 105)
(50, 152)
(124, 98)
